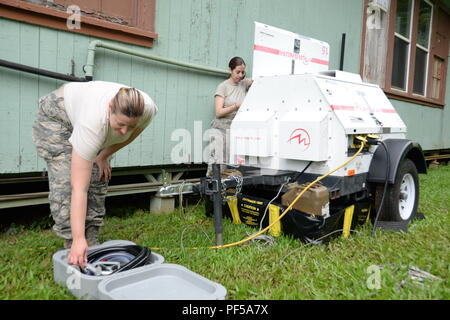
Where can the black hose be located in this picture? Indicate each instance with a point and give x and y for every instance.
(385, 187)
(298, 175)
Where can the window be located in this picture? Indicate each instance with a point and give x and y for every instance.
(406, 50)
(130, 21)
(422, 48)
(402, 42)
(416, 68)
(402, 46)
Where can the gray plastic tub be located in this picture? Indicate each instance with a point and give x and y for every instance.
(85, 286)
(156, 281)
(160, 282)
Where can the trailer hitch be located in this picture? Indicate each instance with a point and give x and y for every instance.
(215, 186)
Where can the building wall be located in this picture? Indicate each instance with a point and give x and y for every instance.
(428, 126)
(205, 32)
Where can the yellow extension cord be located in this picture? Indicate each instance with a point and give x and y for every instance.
(289, 208)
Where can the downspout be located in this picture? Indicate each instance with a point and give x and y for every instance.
(89, 67)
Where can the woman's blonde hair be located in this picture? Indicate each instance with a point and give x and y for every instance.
(129, 102)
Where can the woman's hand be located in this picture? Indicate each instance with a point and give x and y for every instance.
(222, 111)
(104, 167)
(78, 253)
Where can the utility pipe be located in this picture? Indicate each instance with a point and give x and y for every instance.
(38, 71)
(89, 67)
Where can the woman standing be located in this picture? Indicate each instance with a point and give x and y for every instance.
(78, 128)
(228, 99)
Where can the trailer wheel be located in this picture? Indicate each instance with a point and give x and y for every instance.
(402, 197)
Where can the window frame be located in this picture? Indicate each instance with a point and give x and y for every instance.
(409, 95)
(377, 52)
(49, 17)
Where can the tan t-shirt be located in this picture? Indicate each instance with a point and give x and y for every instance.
(87, 106)
(232, 93)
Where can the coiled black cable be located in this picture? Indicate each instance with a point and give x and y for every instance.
(141, 256)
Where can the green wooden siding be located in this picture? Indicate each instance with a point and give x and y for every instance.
(428, 126)
(206, 32)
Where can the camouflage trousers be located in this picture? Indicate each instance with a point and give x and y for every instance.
(219, 144)
(51, 133)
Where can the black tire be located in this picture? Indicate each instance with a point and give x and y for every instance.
(402, 198)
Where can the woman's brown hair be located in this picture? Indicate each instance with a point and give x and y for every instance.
(235, 62)
(129, 102)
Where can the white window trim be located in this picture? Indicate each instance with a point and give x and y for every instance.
(427, 50)
(408, 64)
(398, 35)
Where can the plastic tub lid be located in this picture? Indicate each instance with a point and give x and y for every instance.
(160, 282)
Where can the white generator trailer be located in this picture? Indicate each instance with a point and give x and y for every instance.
(297, 128)
(309, 123)
(300, 124)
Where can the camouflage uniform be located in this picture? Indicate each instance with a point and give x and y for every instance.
(51, 133)
(219, 144)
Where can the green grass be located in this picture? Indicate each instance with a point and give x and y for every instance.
(286, 270)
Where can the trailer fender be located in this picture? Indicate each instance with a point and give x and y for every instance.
(399, 149)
